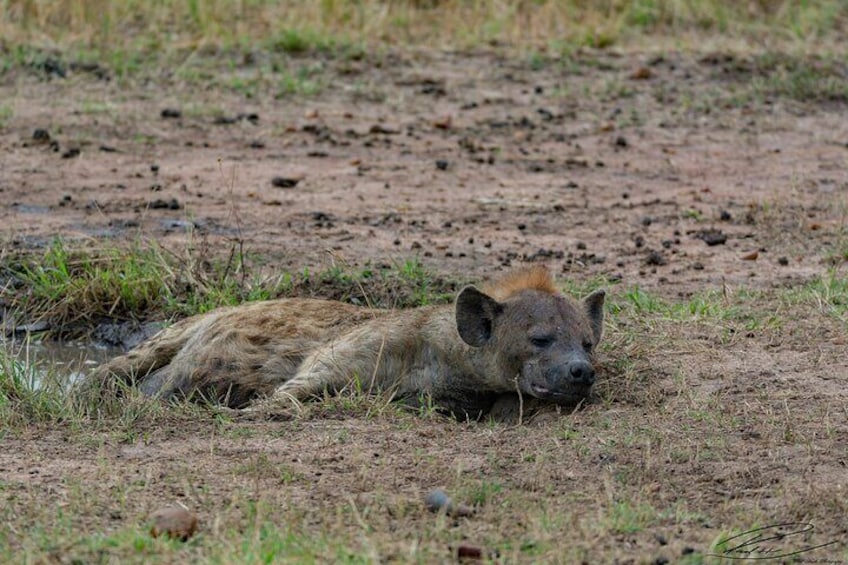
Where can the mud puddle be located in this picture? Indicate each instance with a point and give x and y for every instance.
(63, 362)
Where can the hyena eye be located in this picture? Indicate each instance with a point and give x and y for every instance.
(587, 346)
(542, 341)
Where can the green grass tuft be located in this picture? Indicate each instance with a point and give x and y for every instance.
(73, 289)
(28, 394)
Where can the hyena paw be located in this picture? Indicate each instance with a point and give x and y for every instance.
(278, 407)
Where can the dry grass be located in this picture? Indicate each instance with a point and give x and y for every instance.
(107, 25)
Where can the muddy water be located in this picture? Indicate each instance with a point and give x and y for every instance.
(66, 361)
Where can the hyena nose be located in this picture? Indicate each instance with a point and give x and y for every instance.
(582, 373)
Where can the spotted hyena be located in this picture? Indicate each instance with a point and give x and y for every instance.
(518, 336)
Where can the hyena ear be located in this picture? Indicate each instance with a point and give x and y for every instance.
(475, 316)
(594, 307)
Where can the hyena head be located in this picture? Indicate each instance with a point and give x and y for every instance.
(544, 342)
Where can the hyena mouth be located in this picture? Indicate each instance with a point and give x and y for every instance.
(574, 393)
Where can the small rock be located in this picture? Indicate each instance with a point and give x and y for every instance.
(442, 164)
(545, 114)
(383, 129)
(725, 216)
(34, 327)
(71, 153)
(469, 553)
(174, 522)
(620, 141)
(752, 256)
(783, 261)
(251, 117)
(712, 236)
(285, 182)
(655, 258)
(443, 123)
(170, 113)
(437, 500)
(160, 204)
(642, 73)
(41, 135)
(698, 266)
(647, 221)
(225, 120)
(661, 539)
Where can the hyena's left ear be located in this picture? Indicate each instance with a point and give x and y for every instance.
(594, 307)
(476, 313)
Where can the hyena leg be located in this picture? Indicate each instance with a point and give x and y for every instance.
(511, 408)
(334, 367)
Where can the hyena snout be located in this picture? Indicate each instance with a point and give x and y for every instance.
(581, 373)
(571, 377)
(563, 382)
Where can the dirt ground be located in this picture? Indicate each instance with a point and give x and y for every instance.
(676, 174)
(617, 166)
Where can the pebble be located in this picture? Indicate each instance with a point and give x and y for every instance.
(174, 522)
(284, 182)
(437, 500)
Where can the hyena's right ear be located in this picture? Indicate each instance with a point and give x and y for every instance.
(475, 316)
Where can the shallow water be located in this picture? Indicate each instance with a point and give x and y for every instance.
(66, 361)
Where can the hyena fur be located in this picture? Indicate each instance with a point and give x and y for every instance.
(518, 336)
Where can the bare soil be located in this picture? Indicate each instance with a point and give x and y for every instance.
(586, 166)
(674, 173)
